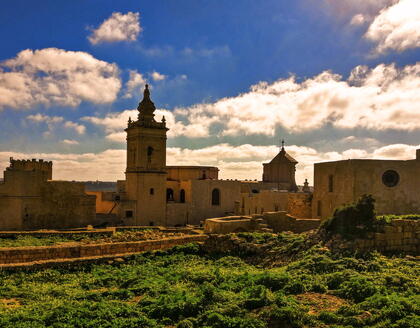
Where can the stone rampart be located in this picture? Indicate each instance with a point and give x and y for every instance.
(44, 253)
(398, 236)
(281, 221)
(300, 205)
(229, 224)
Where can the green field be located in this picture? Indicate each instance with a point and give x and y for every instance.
(295, 284)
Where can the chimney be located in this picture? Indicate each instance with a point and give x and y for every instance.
(418, 154)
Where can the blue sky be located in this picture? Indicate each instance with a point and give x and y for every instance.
(233, 76)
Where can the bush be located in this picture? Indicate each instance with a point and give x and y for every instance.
(357, 288)
(185, 324)
(354, 219)
(273, 281)
(293, 316)
(295, 287)
(256, 297)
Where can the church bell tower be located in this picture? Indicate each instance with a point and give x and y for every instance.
(146, 166)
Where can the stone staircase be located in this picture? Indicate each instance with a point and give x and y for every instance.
(262, 225)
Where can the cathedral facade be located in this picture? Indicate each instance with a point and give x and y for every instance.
(156, 194)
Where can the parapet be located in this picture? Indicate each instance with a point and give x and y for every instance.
(31, 165)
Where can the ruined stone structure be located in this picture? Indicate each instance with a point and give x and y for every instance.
(29, 199)
(393, 184)
(281, 170)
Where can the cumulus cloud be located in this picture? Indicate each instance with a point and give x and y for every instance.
(135, 83)
(45, 118)
(358, 19)
(234, 162)
(56, 77)
(80, 129)
(53, 121)
(382, 98)
(396, 27)
(156, 76)
(115, 123)
(118, 27)
(70, 142)
(342, 10)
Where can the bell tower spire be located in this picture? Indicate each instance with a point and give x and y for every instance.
(146, 107)
(146, 167)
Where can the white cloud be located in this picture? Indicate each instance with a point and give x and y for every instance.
(343, 10)
(53, 121)
(358, 19)
(134, 85)
(118, 27)
(70, 142)
(156, 76)
(80, 129)
(56, 77)
(115, 123)
(45, 118)
(234, 162)
(382, 98)
(396, 27)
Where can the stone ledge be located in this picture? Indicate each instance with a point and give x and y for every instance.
(44, 253)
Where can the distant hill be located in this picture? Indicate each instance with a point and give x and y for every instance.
(100, 186)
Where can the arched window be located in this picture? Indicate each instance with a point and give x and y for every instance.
(169, 195)
(182, 196)
(149, 153)
(215, 197)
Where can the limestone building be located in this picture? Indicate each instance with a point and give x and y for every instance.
(156, 194)
(394, 184)
(281, 170)
(29, 199)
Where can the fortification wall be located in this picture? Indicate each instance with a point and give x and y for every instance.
(300, 205)
(399, 236)
(282, 221)
(45, 253)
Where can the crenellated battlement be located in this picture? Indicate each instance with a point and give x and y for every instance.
(30, 165)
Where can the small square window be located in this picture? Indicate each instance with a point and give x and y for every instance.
(128, 214)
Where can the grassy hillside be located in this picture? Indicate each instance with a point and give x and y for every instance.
(295, 284)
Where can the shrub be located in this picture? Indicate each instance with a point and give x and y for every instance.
(293, 316)
(256, 297)
(185, 324)
(357, 288)
(295, 287)
(273, 281)
(354, 219)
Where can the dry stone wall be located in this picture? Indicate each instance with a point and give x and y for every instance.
(281, 221)
(398, 236)
(43, 253)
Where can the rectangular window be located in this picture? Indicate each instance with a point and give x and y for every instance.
(128, 214)
(331, 183)
(319, 208)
